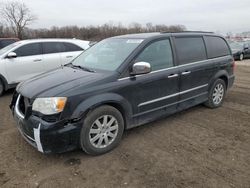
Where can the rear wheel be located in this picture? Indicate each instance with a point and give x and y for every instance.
(102, 130)
(216, 94)
(1, 87)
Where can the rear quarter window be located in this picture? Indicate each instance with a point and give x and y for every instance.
(190, 49)
(69, 47)
(216, 47)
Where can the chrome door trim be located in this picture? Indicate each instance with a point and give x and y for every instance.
(158, 99)
(168, 105)
(172, 95)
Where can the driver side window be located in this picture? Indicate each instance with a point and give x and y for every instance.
(158, 54)
(29, 50)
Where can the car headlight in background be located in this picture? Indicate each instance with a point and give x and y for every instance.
(49, 106)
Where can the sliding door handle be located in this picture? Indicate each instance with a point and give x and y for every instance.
(173, 76)
(185, 72)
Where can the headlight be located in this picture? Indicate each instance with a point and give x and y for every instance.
(49, 106)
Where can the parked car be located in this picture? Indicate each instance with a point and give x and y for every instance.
(241, 50)
(25, 59)
(120, 83)
(7, 41)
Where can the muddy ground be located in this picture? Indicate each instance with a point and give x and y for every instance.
(199, 147)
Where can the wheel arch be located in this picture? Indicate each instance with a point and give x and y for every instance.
(111, 99)
(225, 79)
(222, 74)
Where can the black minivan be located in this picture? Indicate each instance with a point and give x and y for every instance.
(120, 83)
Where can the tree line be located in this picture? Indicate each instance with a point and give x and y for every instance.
(94, 33)
(16, 17)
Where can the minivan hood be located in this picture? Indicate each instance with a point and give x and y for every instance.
(56, 82)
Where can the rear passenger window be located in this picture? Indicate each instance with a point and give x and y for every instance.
(190, 49)
(69, 47)
(158, 54)
(29, 50)
(216, 47)
(53, 47)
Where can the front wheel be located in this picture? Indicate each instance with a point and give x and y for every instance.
(102, 130)
(216, 94)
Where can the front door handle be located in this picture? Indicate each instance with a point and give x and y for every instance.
(37, 60)
(185, 72)
(69, 56)
(173, 76)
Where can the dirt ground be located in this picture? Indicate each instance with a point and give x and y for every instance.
(199, 147)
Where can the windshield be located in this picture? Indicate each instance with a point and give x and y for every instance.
(7, 48)
(236, 45)
(108, 54)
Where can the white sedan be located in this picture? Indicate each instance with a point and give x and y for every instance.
(25, 59)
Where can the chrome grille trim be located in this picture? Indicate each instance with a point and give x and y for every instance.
(17, 110)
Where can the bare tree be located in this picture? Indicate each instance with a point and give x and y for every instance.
(18, 16)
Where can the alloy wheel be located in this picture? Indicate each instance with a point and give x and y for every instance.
(103, 131)
(218, 94)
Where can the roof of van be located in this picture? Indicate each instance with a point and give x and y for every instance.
(155, 34)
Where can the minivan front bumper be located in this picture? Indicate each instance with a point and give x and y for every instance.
(47, 137)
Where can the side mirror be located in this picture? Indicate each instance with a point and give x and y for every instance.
(141, 68)
(11, 55)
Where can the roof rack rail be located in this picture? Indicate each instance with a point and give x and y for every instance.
(186, 32)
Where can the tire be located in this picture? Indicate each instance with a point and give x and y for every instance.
(98, 137)
(1, 88)
(216, 94)
(241, 57)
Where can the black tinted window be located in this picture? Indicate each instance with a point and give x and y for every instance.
(29, 50)
(53, 47)
(69, 47)
(4, 43)
(158, 54)
(216, 47)
(190, 49)
(246, 45)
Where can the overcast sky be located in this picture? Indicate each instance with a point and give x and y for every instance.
(211, 15)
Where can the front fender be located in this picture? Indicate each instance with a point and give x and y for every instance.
(102, 99)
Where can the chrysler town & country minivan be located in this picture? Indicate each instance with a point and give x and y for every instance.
(120, 83)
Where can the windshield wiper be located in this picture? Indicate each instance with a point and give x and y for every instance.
(79, 67)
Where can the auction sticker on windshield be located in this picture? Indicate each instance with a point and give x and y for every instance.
(135, 41)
